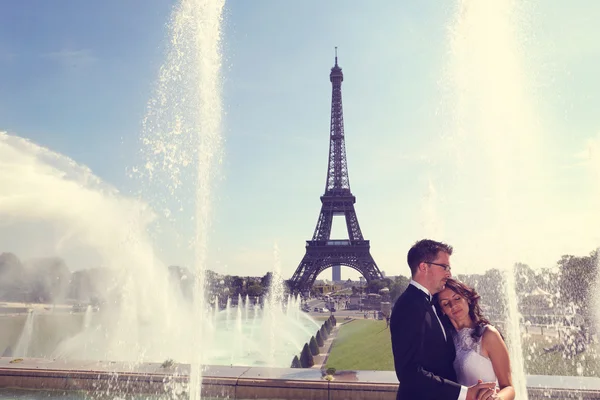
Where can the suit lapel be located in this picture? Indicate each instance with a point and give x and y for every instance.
(435, 322)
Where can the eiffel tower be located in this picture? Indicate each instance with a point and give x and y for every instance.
(321, 251)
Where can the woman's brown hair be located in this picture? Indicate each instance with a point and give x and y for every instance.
(472, 297)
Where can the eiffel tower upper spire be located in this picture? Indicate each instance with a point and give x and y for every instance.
(338, 182)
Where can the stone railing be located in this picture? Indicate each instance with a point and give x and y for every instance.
(242, 382)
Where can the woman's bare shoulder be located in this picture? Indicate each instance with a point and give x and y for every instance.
(491, 336)
(491, 330)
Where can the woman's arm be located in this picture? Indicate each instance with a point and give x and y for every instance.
(493, 346)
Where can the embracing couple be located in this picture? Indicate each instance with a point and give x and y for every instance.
(444, 349)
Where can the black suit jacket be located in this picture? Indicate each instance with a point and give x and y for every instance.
(423, 358)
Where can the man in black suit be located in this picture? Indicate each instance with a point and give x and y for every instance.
(423, 351)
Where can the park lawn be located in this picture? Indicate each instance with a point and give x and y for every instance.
(363, 345)
(366, 345)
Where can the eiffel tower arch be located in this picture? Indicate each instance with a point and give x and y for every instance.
(322, 252)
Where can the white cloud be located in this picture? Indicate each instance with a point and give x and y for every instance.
(72, 59)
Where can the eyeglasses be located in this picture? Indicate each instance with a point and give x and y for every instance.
(446, 267)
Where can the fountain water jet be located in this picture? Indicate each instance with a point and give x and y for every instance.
(22, 347)
(494, 115)
(87, 318)
(273, 305)
(239, 340)
(246, 308)
(182, 133)
(228, 311)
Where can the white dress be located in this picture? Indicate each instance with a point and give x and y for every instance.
(469, 364)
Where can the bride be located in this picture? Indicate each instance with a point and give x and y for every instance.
(481, 353)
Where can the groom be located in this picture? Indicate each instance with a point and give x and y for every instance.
(423, 350)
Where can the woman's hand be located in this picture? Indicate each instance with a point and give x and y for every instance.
(489, 394)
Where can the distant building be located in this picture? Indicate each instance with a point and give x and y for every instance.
(336, 273)
(323, 288)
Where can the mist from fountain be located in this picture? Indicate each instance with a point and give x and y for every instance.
(593, 148)
(145, 317)
(22, 347)
(87, 318)
(270, 336)
(596, 299)
(241, 341)
(61, 207)
(496, 138)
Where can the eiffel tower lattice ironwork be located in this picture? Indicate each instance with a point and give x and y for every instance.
(321, 251)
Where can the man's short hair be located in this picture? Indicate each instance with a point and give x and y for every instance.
(425, 250)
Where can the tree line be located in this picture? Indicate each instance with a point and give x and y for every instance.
(568, 284)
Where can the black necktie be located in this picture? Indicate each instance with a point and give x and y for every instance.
(428, 298)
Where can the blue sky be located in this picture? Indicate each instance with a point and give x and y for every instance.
(75, 77)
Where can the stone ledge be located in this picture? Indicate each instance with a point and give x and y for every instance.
(243, 382)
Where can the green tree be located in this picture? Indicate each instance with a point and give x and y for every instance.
(324, 333)
(314, 292)
(313, 346)
(255, 289)
(237, 286)
(319, 339)
(296, 363)
(375, 285)
(398, 287)
(525, 278)
(306, 358)
(357, 290)
(265, 281)
(548, 279)
(490, 286)
(577, 275)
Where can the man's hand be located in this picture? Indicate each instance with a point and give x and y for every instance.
(482, 391)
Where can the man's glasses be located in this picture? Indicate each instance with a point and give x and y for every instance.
(446, 267)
